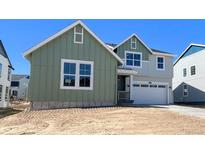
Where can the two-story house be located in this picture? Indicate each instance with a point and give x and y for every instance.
(74, 68)
(19, 86)
(5, 76)
(146, 74)
(189, 75)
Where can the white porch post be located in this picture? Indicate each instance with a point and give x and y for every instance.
(131, 82)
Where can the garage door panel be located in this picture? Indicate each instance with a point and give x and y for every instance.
(149, 94)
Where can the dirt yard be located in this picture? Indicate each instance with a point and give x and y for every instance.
(116, 120)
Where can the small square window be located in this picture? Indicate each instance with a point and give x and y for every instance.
(84, 81)
(69, 80)
(130, 62)
(69, 68)
(85, 69)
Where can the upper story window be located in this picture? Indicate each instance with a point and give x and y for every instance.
(14, 83)
(76, 74)
(185, 90)
(184, 72)
(0, 69)
(78, 35)
(160, 63)
(9, 74)
(133, 59)
(133, 43)
(193, 70)
(1, 87)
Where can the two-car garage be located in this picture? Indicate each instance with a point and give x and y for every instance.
(149, 92)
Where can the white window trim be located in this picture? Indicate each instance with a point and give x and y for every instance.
(185, 89)
(190, 70)
(159, 69)
(135, 42)
(139, 53)
(82, 33)
(77, 75)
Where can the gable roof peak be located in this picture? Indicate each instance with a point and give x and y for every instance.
(134, 34)
(189, 46)
(29, 51)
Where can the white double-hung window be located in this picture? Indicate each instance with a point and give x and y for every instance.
(78, 35)
(133, 59)
(76, 74)
(160, 63)
(133, 43)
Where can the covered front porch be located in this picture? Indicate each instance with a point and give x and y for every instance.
(124, 81)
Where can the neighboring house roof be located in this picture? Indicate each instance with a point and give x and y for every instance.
(152, 51)
(3, 53)
(29, 51)
(159, 51)
(17, 77)
(191, 49)
(111, 44)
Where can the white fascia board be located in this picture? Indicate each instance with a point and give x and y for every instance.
(164, 54)
(131, 37)
(192, 44)
(26, 54)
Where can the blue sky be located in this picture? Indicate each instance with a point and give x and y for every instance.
(168, 35)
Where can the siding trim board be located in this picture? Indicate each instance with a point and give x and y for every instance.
(29, 51)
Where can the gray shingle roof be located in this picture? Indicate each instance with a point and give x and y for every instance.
(111, 44)
(3, 53)
(154, 50)
(159, 51)
(17, 77)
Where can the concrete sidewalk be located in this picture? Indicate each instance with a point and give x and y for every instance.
(191, 111)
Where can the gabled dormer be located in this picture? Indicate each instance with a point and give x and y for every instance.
(133, 51)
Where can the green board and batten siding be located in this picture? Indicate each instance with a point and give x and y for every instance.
(126, 46)
(44, 87)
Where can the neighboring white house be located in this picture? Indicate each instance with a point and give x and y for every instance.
(189, 75)
(5, 76)
(19, 86)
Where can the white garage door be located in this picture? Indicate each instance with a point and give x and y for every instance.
(144, 93)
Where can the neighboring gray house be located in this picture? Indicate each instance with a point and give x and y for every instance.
(74, 68)
(19, 86)
(189, 75)
(5, 76)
